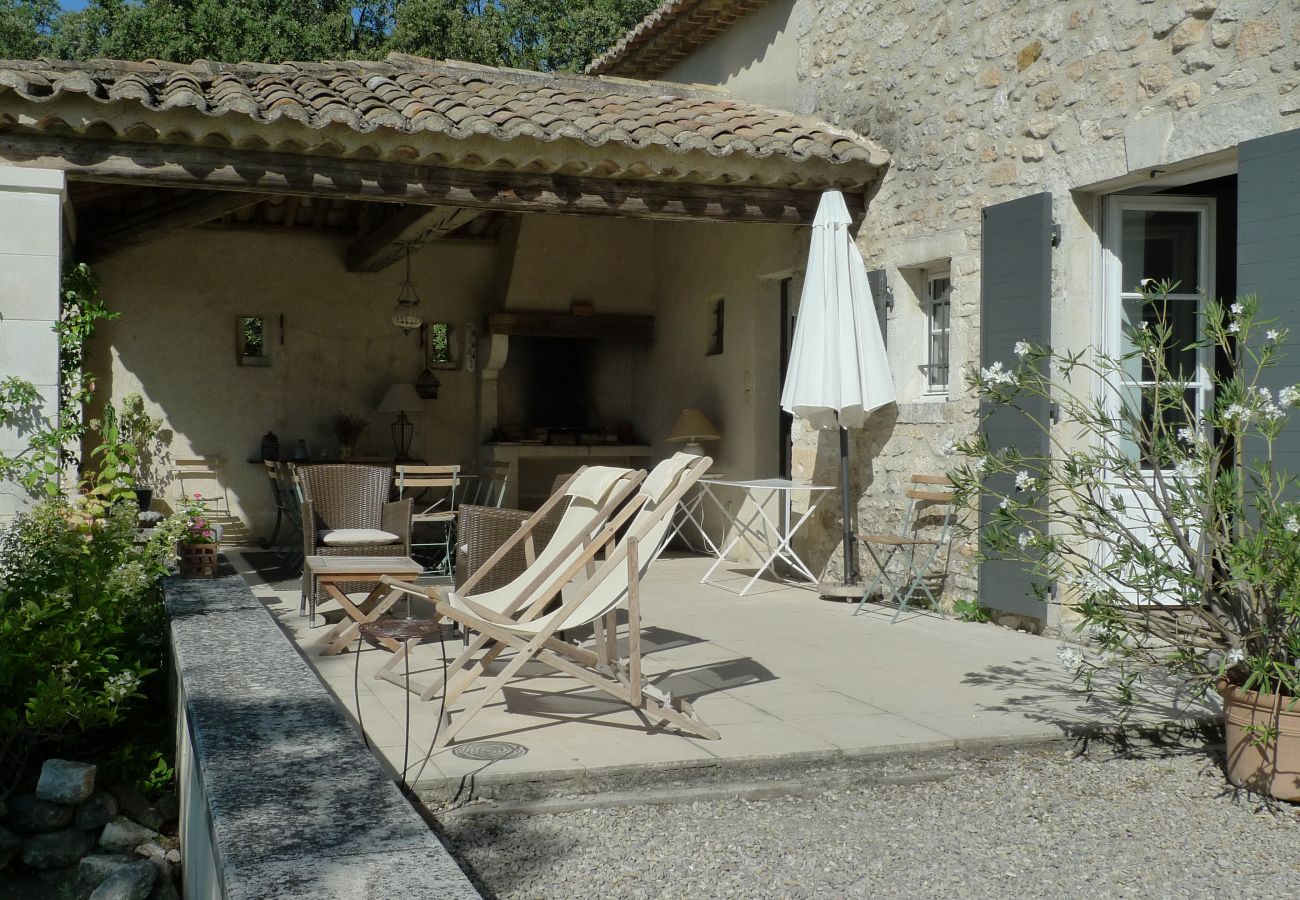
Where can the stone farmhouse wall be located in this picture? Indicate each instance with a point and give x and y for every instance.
(982, 102)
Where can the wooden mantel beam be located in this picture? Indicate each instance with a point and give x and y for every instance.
(411, 227)
(173, 165)
(185, 210)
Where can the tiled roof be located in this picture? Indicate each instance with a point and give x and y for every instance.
(669, 33)
(414, 106)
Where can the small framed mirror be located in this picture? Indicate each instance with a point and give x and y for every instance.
(439, 351)
(252, 346)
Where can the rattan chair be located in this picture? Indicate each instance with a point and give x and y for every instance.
(480, 530)
(344, 497)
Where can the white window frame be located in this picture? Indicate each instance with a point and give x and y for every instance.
(929, 303)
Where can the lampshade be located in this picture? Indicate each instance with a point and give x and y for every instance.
(692, 427)
(400, 397)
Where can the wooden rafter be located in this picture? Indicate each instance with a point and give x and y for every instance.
(411, 227)
(163, 165)
(185, 209)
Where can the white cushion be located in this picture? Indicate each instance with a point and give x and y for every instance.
(351, 537)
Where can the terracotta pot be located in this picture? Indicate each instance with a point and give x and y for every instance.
(197, 560)
(1272, 767)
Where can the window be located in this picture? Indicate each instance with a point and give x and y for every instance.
(938, 318)
(719, 321)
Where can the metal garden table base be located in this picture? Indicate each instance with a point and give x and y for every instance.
(758, 528)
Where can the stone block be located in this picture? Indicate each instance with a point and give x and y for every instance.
(29, 287)
(133, 882)
(1238, 78)
(30, 815)
(1188, 33)
(98, 810)
(94, 868)
(29, 349)
(57, 849)
(30, 225)
(65, 781)
(123, 835)
(1257, 37)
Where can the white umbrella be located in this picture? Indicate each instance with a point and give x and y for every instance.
(838, 372)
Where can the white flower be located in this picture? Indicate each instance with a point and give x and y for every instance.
(1006, 503)
(121, 684)
(1023, 481)
(1237, 411)
(1021, 349)
(1142, 326)
(1293, 525)
(1147, 282)
(1024, 539)
(1234, 327)
(1189, 435)
(1236, 655)
(1273, 335)
(1289, 396)
(1070, 657)
(1187, 470)
(1237, 309)
(997, 374)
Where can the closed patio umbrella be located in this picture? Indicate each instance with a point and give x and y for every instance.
(838, 372)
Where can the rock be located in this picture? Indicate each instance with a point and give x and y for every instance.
(10, 844)
(65, 781)
(57, 849)
(174, 857)
(169, 807)
(123, 835)
(30, 815)
(98, 810)
(134, 804)
(164, 889)
(98, 866)
(132, 882)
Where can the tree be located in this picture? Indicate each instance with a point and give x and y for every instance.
(25, 27)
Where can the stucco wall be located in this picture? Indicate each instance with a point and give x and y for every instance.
(756, 59)
(982, 102)
(175, 343)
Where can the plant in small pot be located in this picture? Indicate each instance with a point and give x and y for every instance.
(1160, 512)
(198, 539)
(347, 429)
(144, 433)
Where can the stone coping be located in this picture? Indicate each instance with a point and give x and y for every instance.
(299, 807)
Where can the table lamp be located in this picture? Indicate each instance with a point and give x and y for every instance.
(691, 428)
(398, 399)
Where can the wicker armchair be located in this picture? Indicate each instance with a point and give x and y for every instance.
(349, 496)
(480, 530)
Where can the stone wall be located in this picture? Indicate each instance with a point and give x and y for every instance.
(982, 102)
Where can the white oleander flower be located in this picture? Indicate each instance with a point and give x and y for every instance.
(1024, 539)
(1070, 657)
(1293, 524)
(1187, 470)
(1147, 282)
(1005, 504)
(1237, 309)
(1023, 481)
(1021, 349)
(1237, 411)
(1273, 335)
(1236, 655)
(1289, 396)
(1234, 327)
(1189, 435)
(1142, 326)
(997, 374)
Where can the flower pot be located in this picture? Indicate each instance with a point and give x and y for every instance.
(197, 560)
(1271, 767)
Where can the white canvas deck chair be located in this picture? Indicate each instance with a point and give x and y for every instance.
(614, 567)
(592, 495)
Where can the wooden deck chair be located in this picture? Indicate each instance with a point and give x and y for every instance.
(590, 498)
(613, 582)
(930, 497)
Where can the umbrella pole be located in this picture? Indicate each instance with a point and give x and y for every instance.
(850, 557)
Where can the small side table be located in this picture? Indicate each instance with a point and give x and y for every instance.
(331, 571)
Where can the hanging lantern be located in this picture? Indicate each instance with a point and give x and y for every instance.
(406, 315)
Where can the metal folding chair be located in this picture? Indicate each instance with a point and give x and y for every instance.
(199, 477)
(437, 510)
(930, 508)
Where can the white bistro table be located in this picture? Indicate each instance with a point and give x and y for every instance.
(757, 528)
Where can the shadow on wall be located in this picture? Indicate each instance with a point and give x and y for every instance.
(821, 543)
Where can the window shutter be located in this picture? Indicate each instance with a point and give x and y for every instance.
(1015, 305)
(878, 281)
(1268, 264)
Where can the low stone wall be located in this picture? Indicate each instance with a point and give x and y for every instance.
(278, 791)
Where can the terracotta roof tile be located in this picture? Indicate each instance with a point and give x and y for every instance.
(669, 32)
(454, 100)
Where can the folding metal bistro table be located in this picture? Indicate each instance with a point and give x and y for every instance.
(758, 529)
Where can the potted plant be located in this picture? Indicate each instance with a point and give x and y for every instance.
(198, 539)
(348, 428)
(1159, 512)
(143, 433)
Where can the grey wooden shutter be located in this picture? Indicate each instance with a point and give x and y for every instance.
(1268, 263)
(878, 281)
(1015, 305)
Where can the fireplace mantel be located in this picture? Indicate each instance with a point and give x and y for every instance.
(512, 453)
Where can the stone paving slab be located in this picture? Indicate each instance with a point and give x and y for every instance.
(780, 673)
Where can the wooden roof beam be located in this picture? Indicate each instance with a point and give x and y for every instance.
(412, 227)
(184, 210)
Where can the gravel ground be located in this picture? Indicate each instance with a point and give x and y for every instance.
(1040, 823)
